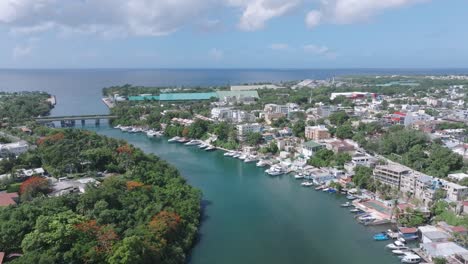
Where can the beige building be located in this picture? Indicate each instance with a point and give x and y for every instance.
(317, 133)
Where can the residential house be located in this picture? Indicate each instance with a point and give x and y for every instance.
(15, 148)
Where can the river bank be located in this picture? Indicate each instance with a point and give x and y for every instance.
(253, 218)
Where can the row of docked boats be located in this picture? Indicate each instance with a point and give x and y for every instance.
(247, 158)
(133, 129)
(398, 247)
(194, 142)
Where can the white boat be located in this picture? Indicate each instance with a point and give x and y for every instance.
(307, 184)
(229, 154)
(394, 246)
(125, 128)
(183, 140)
(135, 130)
(193, 142)
(401, 251)
(249, 159)
(261, 163)
(299, 176)
(275, 171)
(411, 258)
(236, 155)
(326, 189)
(202, 146)
(174, 139)
(319, 188)
(152, 133)
(210, 148)
(347, 204)
(351, 197)
(117, 127)
(242, 157)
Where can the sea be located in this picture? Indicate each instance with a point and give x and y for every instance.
(248, 216)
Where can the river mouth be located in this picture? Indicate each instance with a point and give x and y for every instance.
(250, 217)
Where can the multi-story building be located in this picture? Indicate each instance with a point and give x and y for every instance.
(325, 111)
(455, 192)
(244, 129)
(390, 174)
(310, 147)
(317, 133)
(274, 108)
(414, 117)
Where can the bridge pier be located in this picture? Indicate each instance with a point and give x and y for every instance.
(98, 122)
(62, 123)
(83, 122)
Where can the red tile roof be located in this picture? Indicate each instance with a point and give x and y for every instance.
(458, 229)
(7, 199)
(408, 230)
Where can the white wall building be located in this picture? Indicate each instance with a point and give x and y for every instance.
(244, 129)
(15, 148)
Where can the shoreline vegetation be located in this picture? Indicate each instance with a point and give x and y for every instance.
(135, 209)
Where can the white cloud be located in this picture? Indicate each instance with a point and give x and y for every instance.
(216, 54)
(351, 11)
(22, 51)
(257, 12)
(320, 50)
(279, 46)
(133, 17)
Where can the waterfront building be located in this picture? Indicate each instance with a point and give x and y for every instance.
(232, 97)
(254, 87)
(321, 175)
(443, 249)
(390, 174)
(310, 147)
(244, 129)
(433, 234)
(15, 148)
(317, 133)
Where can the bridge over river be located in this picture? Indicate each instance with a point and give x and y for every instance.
(68, 121)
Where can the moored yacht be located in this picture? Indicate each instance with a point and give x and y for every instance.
(183, 140)
(174, 139)
(347, 204)
(193, 142)
(210, 148)
(261, 163)
(299, 176)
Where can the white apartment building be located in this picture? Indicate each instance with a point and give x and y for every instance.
(15, 148)
(244, 129)
(390, 174)
(414, 117)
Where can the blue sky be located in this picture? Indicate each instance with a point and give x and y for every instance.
(233, 34)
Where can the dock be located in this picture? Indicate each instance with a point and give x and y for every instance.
(108, 102)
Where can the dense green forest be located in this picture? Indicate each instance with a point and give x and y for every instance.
(143, 211)
(15, 107)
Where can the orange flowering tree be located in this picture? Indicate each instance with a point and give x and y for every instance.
(34, 186)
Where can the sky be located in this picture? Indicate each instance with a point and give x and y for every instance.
(233, 34)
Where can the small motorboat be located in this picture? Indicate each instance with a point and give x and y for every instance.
(351, 197)
(307, 184)
(299, 176)
(319, 188)
(261, 163)
(411, 258)
(326, 189)
(229, 153)
(381, 237)
(242, 157)
(347, 204)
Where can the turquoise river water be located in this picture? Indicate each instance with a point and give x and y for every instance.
(250, 217)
